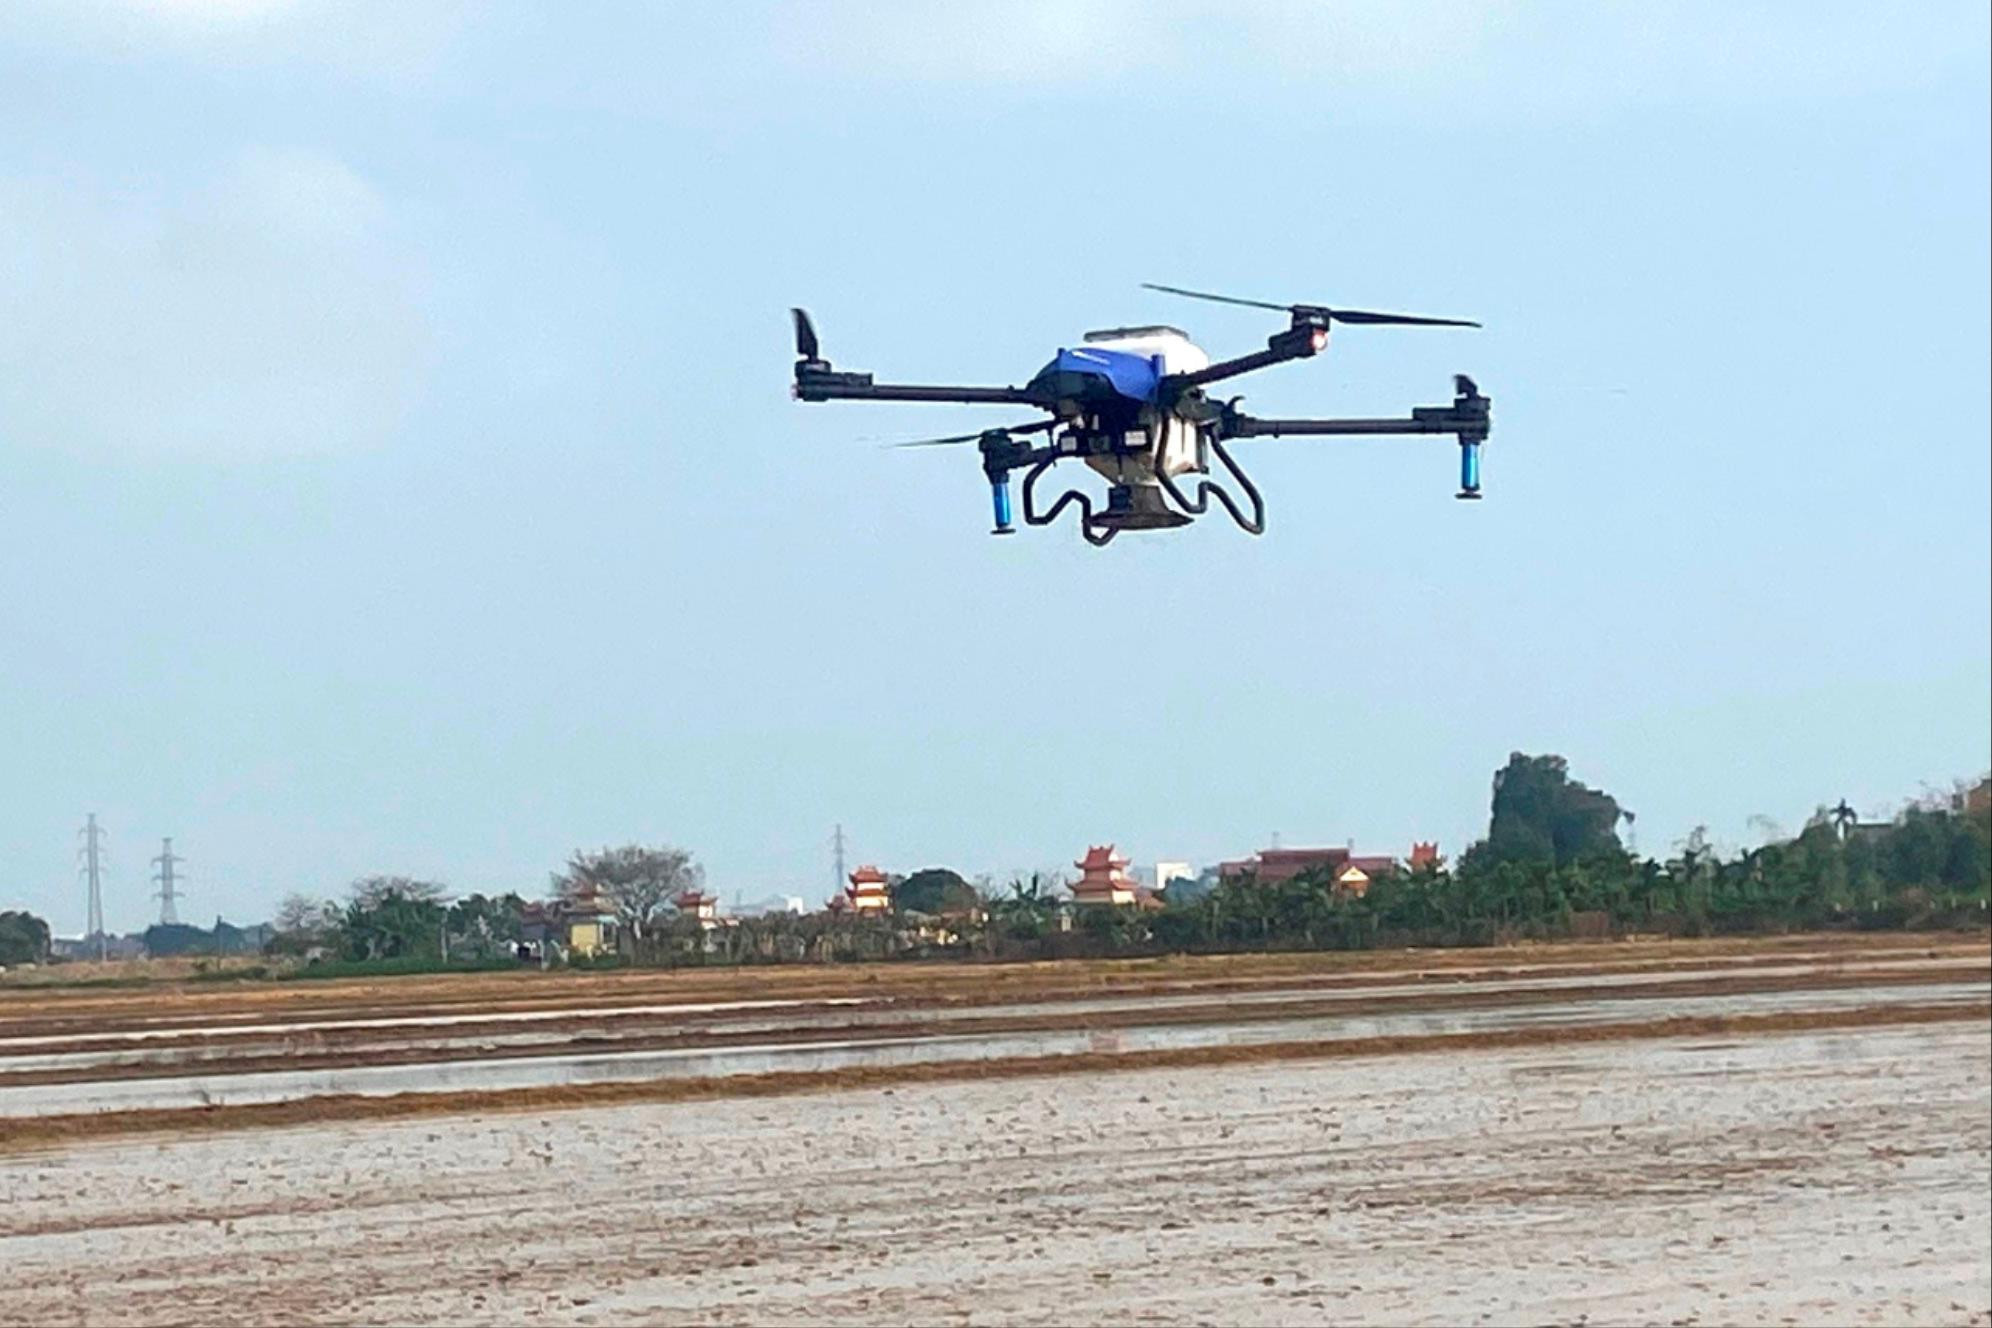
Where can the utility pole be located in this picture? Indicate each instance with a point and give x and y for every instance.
(838, 879)
(169, 913)
(93, 868)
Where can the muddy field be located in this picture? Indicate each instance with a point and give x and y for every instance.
(1795, 1133)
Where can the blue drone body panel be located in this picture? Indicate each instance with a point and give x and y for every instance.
(1130, 375)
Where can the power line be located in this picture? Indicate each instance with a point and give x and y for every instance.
(93, 868)
(169, 913)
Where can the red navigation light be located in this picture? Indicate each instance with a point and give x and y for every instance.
(1320, 338)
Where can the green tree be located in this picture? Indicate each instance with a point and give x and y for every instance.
(393, 917)
(24, 938)
(934, 890)
(166, 939)
(484, 926)
(1027, 912)
(1540, 814)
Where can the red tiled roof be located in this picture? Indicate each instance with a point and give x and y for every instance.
(1101, 857)
(1283, 864)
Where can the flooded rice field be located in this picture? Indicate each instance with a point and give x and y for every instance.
(1785, 1179)
(99, 1087)
(1555, 1164)
(146, 1063)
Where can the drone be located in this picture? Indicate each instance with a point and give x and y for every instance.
(1131, 403)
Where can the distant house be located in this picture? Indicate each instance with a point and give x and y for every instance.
(1274, 865)
(701, 907)
(583, 925)
(1351, 872)
(1103, 878)
(773, 904)
(868, 892)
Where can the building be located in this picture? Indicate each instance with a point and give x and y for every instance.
(699, 906)
(1359, 871)
(868, 891)
(1274, 865)
(1166, 872)
(1103, 878)
(1352, 872)
(583, 925)
(789, 904)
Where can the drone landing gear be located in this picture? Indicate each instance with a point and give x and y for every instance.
(1255, 525)
(1099, 530)
(1143, 506)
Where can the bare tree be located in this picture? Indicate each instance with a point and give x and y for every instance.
(302, 915)
(372, 891)
(638, 883)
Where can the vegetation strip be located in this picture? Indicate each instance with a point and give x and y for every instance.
(45, 1131)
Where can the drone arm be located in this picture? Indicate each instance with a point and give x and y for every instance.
(1251, 426)
(1304, 339)
(826, 384)
(816, 380)
(1468, 419)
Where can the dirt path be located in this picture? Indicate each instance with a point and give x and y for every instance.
(1837, 1177)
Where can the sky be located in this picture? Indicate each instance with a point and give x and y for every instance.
(398, 472)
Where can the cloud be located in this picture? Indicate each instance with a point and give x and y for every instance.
(267, 311)
(1030, 42)
(1496, 55)
(388, 43)
(1491, 59)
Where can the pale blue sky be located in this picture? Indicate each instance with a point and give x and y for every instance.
(397, 471)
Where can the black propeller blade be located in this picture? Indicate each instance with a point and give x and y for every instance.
(954, 439)
(805, 335)
(1319, 310)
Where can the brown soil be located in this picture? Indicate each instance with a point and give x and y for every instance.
(1826, 1177)
(40, 1132)
(45, 1010)
(337, 1048)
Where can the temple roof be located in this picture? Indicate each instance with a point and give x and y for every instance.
(1101, 857)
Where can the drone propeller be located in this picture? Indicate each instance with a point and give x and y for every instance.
(974, 437)
(805, 335)
(1318, 310)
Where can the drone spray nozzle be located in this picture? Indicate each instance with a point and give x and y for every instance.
(1469, 468)
(999, 453)
(999, 499)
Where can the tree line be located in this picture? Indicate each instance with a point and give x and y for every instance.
(1551, 865)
